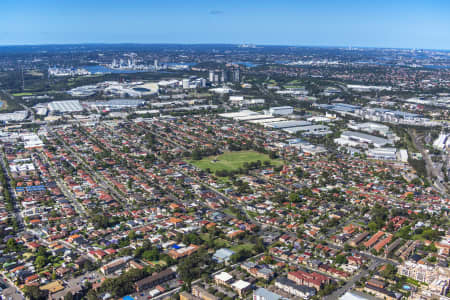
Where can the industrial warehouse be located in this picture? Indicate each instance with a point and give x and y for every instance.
(271, 119)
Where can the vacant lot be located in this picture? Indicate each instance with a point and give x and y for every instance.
(232, 161)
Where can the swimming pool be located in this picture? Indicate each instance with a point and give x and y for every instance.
(406, 287)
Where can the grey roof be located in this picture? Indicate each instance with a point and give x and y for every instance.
(223, 253)
(268, 295)
(366, 137)
(310, 128)
(265, 271)
(287, 124)
(65, 106)
(347, 105)
(249, 264)
(119, 103)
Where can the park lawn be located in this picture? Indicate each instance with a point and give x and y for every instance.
(22, 94)
(205, 236)
(293, 86)
(246, 246)
(232, 161)
(224, 181)
(418, 237)
(252, 214)
(161, 263)
(294, 82)
(228, 211)
(35, 73)
(221, 243)
(414, 282)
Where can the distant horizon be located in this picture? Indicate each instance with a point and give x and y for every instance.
(218, 44)
(400, 24)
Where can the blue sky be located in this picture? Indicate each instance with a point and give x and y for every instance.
(377, 23)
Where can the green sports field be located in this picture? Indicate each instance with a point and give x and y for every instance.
(22, 94)
(232, 161)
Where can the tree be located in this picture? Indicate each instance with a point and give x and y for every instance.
(347, 247)
(68, 296)
(34, 293)
(152, 254)
(196, 155)
(259, 247)
(272, 154)
(241, 255)
(340, 259)
(40, 261)
(390, 227)
(389, 271)
(11, 244)
(373, 226)
(294, 197)
(132, 235)
(328, 289)
(91, 295)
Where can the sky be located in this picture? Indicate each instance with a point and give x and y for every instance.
(356, 23)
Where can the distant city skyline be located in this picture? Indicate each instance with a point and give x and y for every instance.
(382, 23)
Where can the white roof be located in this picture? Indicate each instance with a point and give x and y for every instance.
(266, 121)
(241, 113)
(353, 296)
(281, 107)
(65, 106)
(223, 276)
(240, 284)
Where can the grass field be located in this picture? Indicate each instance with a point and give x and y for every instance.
(219, 243)
(228, 211)
(22, 94)
(247, 246)
(232, 161)
(294, 84)
(159, 262)
(35, 73)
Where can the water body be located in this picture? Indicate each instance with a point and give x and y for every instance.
(190, 64)
(105, 70)
(281, 62)
(436, 67)
(248, 64)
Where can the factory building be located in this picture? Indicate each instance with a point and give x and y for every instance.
(353, 139)
(68, 106)
(281, 110)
